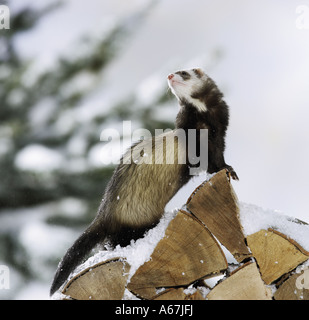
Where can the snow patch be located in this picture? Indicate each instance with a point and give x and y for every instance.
(254, 219)
(38, 158)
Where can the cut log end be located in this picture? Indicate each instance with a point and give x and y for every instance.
(215, 204)
(104, 281)
(275, 254)
(187, 252)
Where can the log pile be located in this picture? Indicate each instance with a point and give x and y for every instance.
(270, 265)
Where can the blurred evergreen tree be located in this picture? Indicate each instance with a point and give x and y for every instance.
(21, 98)
(24, 96)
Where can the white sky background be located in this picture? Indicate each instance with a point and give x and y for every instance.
(264, 74)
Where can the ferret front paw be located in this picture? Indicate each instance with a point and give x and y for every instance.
(231, 173)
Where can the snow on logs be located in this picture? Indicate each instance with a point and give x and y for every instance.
(210, 237)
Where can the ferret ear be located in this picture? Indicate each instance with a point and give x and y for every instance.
(199, 72)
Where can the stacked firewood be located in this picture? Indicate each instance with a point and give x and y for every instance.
(269, 264)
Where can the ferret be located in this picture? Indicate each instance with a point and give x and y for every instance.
(136, 195)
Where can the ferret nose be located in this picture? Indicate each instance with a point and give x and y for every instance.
(170, 76)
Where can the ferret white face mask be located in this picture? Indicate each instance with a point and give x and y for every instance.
(184, 83)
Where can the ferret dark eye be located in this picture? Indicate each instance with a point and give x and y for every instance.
(184, 74)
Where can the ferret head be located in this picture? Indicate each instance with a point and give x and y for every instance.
(186, 85)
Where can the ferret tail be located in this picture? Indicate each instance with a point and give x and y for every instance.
(76, 254)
